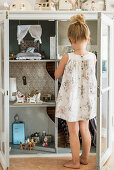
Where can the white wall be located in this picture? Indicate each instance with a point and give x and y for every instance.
(29, 115)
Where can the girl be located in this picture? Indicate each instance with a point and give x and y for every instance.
(76, 101)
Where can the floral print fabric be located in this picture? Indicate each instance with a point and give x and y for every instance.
(77, 96)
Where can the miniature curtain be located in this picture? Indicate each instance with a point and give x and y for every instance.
(34, 30)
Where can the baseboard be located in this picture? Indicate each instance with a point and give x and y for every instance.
(2, 162)
(45, 155)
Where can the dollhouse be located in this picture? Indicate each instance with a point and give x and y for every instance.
(40, 76)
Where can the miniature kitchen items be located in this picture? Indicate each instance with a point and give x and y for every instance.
(46, 97)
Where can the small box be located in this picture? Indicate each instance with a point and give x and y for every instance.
(18, 133)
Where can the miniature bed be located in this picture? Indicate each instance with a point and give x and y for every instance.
(29, 50)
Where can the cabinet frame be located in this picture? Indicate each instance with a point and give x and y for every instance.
(42, 15)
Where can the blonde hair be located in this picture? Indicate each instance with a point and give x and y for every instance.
(79, 29)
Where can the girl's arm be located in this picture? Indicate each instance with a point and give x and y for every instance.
(95, 60)
(60, 69)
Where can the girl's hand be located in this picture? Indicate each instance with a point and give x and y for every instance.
(60, 69)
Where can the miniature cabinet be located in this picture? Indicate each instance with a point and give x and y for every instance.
(39, 76)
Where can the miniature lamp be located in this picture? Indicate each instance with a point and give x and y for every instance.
(12, 89)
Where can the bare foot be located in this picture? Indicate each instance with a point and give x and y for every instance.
(83, 161)
(70, 164)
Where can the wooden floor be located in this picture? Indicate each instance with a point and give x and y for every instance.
(55, 163)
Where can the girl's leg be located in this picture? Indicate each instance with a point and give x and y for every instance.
(73, 128)
(86, 141)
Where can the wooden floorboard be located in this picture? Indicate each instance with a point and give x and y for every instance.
(55, 163)
(0, 167)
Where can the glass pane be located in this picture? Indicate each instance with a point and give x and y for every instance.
(105, 125)
(1, 115)
(1, 58)
(0, 118)
(1, 87)
(105, 56)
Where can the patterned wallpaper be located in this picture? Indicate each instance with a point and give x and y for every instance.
(37, 79)
(36, 74)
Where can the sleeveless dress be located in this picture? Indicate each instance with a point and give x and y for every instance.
(77, 96)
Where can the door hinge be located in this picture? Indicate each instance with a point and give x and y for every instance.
(6, 14)
(98, 91)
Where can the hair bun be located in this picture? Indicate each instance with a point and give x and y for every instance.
(78, 18)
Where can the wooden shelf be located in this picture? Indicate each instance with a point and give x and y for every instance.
(44, 104)
(19, 61)
(38, 149)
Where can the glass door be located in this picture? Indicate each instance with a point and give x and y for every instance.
(4, 101)
(104, 116)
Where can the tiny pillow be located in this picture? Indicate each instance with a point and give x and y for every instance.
(23, 51)
(30, 49)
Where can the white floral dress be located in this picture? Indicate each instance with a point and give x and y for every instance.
(77, 96)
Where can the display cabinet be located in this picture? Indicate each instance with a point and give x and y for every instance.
(39, 74)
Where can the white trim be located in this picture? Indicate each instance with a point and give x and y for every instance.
(101, 159)
(45, 155)
(106, 156)
(112, 133)
(2, 161)
(5, 136)
(104, 133)
(6, 87)
(105, 90)
(49, 15)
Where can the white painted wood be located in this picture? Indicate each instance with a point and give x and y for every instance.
(44, 104)
(4, 156)
(2, 161)
(25, 61)
(2, 91)
(49, 15)
(56, 89)
(102, 158)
